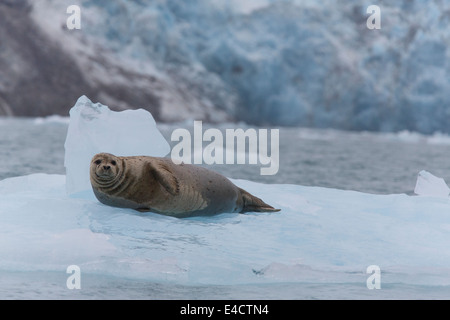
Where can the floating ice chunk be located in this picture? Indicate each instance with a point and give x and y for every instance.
(51, 119)
(42, 229)
(430, 185)
(94, 128)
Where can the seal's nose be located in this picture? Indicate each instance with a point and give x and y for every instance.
(106, 167)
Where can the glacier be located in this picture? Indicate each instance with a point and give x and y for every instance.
(322, 236)
(290, 63)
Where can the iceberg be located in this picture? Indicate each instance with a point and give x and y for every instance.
(94, 128)
(430, 185)
(324, 236)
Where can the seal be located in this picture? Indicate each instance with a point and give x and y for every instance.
(158, 185)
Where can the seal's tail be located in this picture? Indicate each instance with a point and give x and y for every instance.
(252, 203)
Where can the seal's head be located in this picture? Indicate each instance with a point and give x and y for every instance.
(105, 166)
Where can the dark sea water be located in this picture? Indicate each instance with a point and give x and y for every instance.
(381, 163)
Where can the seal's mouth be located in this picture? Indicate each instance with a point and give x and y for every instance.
(104, 174)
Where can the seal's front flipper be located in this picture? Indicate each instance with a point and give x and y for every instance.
(254, 204)
(165, 177)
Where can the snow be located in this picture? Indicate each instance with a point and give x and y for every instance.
(321, 235)
(94, 128)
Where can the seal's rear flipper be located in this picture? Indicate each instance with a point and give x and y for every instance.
(254, 204)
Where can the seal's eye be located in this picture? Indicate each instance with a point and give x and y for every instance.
(98, 161)
(113, 163)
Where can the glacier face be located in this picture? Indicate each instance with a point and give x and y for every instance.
(302, 63)
(292, 62)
